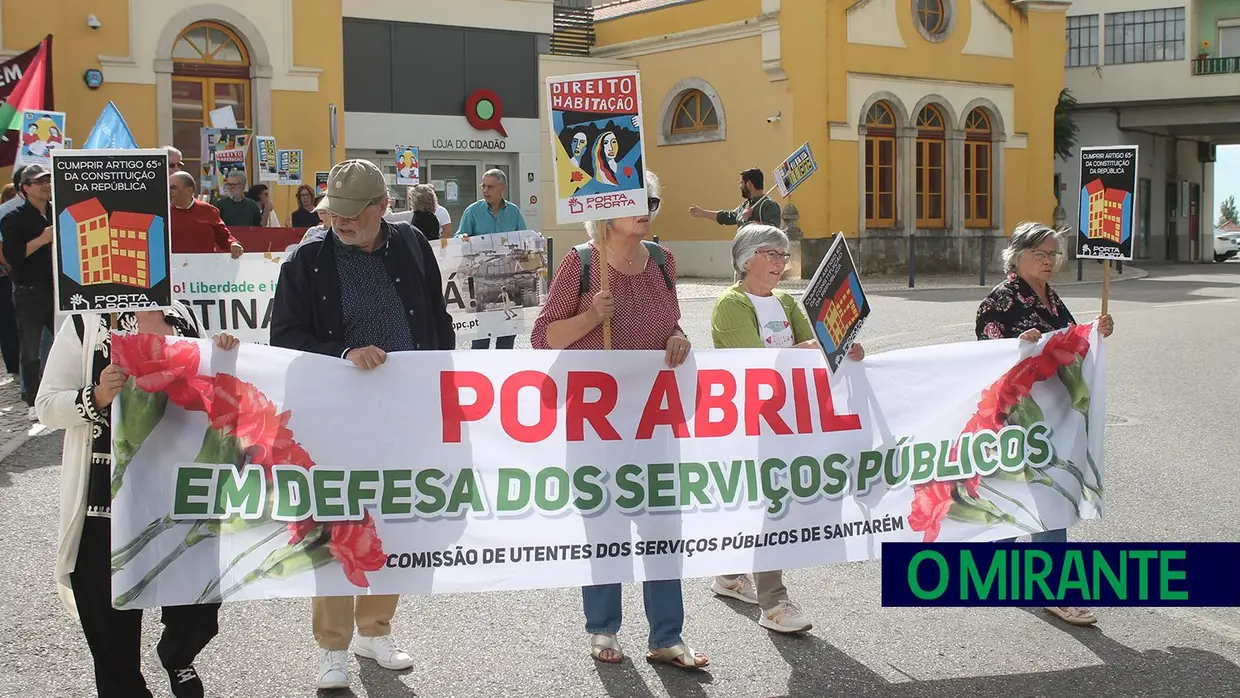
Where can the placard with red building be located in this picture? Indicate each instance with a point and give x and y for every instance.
(1108, 201)
(835, 303)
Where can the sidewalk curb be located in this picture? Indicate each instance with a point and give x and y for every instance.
(13, 444)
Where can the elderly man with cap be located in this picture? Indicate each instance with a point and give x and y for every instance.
(27, 234)
(358, 290)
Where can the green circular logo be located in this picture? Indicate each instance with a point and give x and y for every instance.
(485, 109)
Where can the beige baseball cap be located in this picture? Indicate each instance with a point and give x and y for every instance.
(351, 186)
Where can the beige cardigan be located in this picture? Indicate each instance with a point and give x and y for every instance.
(67, 372)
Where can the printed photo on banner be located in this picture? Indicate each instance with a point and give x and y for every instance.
(408, 162)
(41, 133)
(597, 146)
(268, 167)
(495, 284)
(229, 295)
(288, 167)
(224, 150)
(795, 170)
(320, 183)
(111, 244)
(835, 303)
(646, 481)
(1108, 202)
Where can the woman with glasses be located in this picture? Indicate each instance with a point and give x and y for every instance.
(645, 315)
(304, 216)
(752, 314)
(1024, 306)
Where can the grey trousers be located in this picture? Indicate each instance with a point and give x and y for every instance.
(770, 587)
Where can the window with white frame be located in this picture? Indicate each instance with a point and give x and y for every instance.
(1082, 41)
(1228, 38)
(1145, 36)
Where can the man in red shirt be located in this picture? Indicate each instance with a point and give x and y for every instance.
(196, 225)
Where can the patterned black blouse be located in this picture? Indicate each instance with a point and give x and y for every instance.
(99, 484)
(1013, 307)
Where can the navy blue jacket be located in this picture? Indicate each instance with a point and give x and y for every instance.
(307, 314)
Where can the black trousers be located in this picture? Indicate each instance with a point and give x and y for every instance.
(9, 345)
(36, 312)
(115, 637)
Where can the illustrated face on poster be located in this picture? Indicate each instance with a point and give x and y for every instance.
(224, 151)
(835, 303)
(408, 162)
(596, 141)
(111, 244)
(1108, 201)
(41, 133)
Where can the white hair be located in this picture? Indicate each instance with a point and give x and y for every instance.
(595, 229)
(497, 174)
(1029, 236)
(749, 239)
(173, 151)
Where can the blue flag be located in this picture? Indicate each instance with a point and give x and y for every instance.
(110, 132)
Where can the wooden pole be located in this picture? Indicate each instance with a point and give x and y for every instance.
(1106, 285)
(603, 273)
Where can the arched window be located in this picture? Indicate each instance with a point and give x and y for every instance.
(977, 170)
(931, 147)
(694, 113)
(880, 167)
(210, 70)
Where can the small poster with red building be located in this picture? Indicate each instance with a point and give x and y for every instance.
(111, 242)
(1108, 202)
(835, 303)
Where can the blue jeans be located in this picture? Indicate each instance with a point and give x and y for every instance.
(500, 342)
(1059, 535)
(665, 610)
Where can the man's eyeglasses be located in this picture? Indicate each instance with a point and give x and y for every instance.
(774, 256)
(653, 202)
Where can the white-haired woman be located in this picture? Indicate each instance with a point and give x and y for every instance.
(645, 315)
(753, 314)
(1024, 306)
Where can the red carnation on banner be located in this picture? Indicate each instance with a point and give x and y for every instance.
(937, 500)
(245, 427)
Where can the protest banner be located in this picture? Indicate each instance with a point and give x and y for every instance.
(597, 146)
(223, 151)
(229, 295)
(288, 167)
(41, 133)
(408, 164)
(268, 167)
(835, 303)
(542, 469)
(1107, 204)
(111, 244)
(494, 286)
(793, 171)
(320, 183)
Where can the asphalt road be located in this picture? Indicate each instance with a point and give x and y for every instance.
(1171, 464)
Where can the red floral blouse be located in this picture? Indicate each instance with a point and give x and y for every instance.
(1013, 307)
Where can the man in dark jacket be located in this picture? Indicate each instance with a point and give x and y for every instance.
(359, 290)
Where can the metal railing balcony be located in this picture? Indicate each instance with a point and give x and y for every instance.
(1216, 66)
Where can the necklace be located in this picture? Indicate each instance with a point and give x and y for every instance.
(627, 260)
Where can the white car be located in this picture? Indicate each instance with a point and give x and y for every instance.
(1226, 245)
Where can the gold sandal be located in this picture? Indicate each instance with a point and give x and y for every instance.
(600, 643)
(1073, 615)
(675, 656)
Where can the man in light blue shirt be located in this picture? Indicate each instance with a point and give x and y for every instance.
(489, 215)
(492, 213)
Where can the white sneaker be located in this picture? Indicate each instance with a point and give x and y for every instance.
(385, 652)
(784, 618)
(742, 589)
(33, 414)
(333, 669)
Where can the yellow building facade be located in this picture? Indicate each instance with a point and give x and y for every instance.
(929, 119)
(167, 63)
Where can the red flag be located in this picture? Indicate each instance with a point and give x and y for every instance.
(25, 83)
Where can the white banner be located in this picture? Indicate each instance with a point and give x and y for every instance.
(475, 471)
(494, 285)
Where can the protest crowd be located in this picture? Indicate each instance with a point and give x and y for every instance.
(363, 284)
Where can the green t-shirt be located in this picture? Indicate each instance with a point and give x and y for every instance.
(764, 210)
(243, 212)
